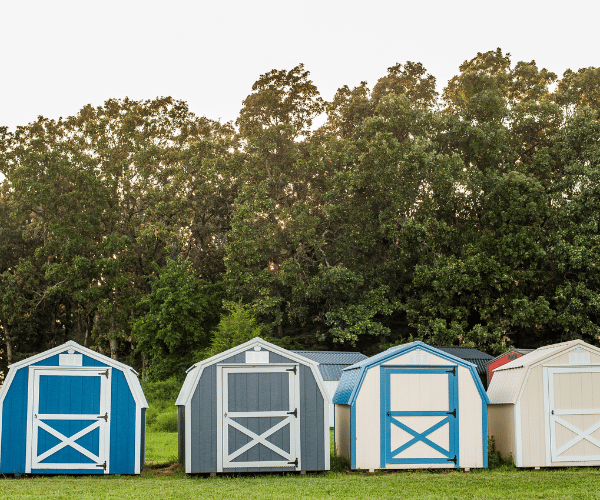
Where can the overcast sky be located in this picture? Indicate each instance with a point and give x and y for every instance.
(59, 55)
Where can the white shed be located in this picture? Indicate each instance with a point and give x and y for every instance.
(412, 406)
(545, 406)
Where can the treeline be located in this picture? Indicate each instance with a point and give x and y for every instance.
(466, 218)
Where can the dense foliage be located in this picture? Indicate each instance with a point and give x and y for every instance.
(466, 218)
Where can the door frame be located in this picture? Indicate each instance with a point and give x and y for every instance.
(551, 418)
(386, 414)
(294, 421)
(105, 407)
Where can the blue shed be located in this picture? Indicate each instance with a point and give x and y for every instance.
(70, 410)
(412, 406)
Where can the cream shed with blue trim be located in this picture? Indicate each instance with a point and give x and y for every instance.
(412, 406)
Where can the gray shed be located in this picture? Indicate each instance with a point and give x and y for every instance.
(254, 408)
(331, 364)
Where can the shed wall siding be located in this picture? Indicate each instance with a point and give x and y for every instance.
(312, 422)
(203, 439)
(368, 439)
(122, 426)
(470, 432)
(342, 431)
(533, 424)
(501, 426)
(181, 434)
(14, 425)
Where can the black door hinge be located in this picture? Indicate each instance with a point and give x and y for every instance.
(453, 371)
(295, 412)
(102, 465)
(292, 370)
(104, 373)
(453, 413)
(452, 460)
(295, 462)
(105, 417)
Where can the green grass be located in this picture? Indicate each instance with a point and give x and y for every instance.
(555, 484)
(161, 447)
(164, 478)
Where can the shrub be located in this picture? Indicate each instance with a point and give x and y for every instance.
(165, 422)
(495, 458)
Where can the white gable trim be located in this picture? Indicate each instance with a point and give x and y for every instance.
(130, 373)
(187, 390)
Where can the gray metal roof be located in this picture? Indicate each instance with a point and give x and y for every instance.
(331, 363)
(475, 356)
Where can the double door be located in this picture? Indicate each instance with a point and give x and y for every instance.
(68, 419)
(573, 396)
(260, 411)
(419, 415)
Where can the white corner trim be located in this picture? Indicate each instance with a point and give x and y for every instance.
(138, 440)
(220, 419)
(518, 435)
(29, 433)
(188, 438)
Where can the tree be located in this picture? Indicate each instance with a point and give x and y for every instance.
(180, 311)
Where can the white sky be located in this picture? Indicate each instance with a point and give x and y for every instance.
(58, 55)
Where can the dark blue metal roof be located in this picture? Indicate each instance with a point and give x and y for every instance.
(331, 363)
(352, 376)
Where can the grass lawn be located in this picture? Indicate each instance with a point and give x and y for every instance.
(164, 478)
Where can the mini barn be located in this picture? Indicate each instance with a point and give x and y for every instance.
(71, 410)
(254, 408)
(412, 406)
(545, 406)
(504, 358)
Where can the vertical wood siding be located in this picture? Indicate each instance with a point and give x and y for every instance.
(342, 431)
(501, 426)
(14, 425)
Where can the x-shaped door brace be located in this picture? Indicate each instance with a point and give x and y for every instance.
(580, 435)
(420, 436)
(67, 441)
(256, 439)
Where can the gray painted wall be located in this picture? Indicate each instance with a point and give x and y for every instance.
(203, 439)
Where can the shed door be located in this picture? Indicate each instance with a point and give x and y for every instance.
(574, 414)
(420, 415)
(261, 417)
(69, 419)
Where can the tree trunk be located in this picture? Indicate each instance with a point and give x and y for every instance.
(96, 329)
(114, 343)
(9, 345)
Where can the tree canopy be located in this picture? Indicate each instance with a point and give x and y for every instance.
(466, 217)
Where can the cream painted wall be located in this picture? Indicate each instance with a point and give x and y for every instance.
(342, 430)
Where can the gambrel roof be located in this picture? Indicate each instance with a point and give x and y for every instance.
(352, 377)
